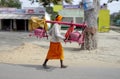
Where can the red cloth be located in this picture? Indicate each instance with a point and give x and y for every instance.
(70, 29)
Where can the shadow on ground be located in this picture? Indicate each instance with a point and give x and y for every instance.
(37, 67)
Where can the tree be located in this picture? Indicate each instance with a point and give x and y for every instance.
(47, 2)
(91, 29)
(10, 3)
(109, 1)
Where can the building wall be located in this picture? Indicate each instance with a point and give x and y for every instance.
(77, 15)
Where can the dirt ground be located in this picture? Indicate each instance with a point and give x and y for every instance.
(19, 48)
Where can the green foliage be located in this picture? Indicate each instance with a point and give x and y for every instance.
(49, 10)
(69, 1)
(10, 3)
(47, 2)
(115, 18)
(109, 1)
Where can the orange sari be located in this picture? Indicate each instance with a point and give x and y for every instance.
(55, 51)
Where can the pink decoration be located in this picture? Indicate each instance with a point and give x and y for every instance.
(39, 33)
